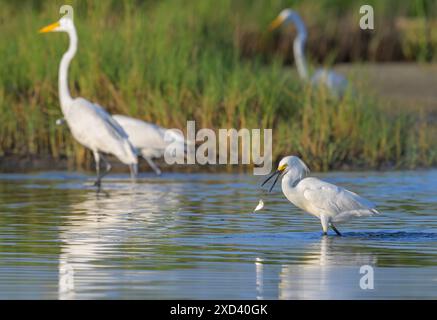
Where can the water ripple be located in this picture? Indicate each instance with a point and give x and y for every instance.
(196, 236)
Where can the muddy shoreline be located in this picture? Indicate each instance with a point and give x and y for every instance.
(23, 164)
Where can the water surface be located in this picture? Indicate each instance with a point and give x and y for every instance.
(194, 236)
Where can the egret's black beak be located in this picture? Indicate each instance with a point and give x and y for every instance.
(277, 173)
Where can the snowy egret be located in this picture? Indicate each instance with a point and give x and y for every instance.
(328, 202)
(89, 123)
(334, 82)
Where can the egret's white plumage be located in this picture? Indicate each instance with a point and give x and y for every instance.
(89, 123)
(151, 140)
(334, 82)
(326, 201)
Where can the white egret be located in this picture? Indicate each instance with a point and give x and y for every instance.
(328, 202)
(151, 140)
(89, 123)
(334, 82)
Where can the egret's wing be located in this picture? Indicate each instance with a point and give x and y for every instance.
(107, 117)
(93, 120)
(335, 82)
(319, 77)
(331, 199)
(141, 133)
(150, 138)
(93, 127)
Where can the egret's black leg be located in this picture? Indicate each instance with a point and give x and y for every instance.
(97, 158)
(335, 229)
(108, 166)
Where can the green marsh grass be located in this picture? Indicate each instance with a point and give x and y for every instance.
(173, 61)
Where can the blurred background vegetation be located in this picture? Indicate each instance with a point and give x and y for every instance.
(214, 62)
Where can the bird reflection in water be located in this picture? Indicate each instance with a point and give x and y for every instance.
(327, 271)
(97, 228)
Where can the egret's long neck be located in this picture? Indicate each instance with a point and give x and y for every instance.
(293, 176)
(299, 58)
(290, 180)
(299, 47)
(64, 93)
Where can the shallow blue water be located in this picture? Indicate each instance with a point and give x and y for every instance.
(195, 236)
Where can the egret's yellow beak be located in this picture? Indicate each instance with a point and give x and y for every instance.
(49, 28)
(276, 23)
(282, 168)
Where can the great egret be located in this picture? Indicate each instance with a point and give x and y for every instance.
(151, 140)
(89, 123)
(328, 202)
(334, 82)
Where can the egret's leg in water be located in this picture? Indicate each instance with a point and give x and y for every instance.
(108, 166)
(97, 160)
(133, 171)
(324, 222)
(153, 165)
(334, 228)
(98, 157)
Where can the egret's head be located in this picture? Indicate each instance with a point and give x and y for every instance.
(289, 16)
(291, 164)
(64, 24)
(285, 16)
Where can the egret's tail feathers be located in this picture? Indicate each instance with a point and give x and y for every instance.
(346, 215)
